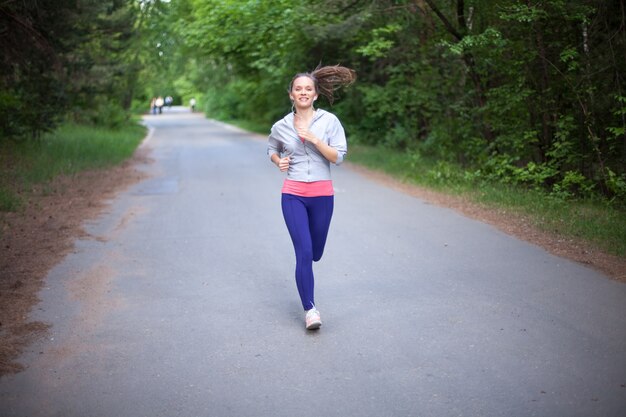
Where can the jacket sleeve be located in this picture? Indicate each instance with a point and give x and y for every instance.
(337, 139)
(274, 146)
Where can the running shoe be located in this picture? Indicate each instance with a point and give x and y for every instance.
(312, 319)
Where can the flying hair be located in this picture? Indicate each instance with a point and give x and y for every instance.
(328, 79)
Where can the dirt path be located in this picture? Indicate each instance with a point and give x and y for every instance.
(37, 238)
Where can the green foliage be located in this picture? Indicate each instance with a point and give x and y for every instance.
(489, 42)
(66, 57)
(526, 94)
(522, 13)
(529, 94)
(616, 185)
(381, 43)
(573, 184)
(103, 112)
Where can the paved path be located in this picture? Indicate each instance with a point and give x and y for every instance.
(182, 303)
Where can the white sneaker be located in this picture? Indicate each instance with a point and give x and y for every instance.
(312, 319)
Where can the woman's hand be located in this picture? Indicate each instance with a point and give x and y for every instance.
(306, 135)
(328, 152)
(283, 163)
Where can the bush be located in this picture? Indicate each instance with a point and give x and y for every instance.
(616, 185)
(105, 113)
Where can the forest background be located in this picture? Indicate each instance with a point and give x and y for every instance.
(526, 94)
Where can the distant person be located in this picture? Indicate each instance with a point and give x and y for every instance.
(192, 104)
(168, 101)
(159, 104)
(303, 144)
(153, 107)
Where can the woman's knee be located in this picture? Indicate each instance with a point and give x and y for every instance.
(317, 255)
(305, 255)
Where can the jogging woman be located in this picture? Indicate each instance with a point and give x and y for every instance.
(303, 144)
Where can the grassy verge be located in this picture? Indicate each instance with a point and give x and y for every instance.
(597, 222)
(68, 150)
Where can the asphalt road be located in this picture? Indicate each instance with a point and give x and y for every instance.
(182, 302)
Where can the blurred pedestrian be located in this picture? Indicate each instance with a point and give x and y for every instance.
(192, 104)
(159, 103)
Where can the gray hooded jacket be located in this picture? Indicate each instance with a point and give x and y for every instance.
(307, 163)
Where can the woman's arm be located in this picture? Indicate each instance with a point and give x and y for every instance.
(274, 149)
(281, 163)
(327, 151)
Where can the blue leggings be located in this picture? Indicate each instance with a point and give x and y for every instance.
(308, 220)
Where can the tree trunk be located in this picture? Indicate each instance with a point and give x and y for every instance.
(544, 83)
(468, 59)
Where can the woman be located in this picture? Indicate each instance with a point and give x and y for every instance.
(303, 144)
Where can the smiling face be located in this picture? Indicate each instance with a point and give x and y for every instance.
(303, 92)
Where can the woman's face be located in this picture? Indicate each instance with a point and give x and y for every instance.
(303, 92)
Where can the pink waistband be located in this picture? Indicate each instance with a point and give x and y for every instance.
(308, 189)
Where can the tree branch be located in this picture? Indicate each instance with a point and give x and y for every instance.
(445, 20)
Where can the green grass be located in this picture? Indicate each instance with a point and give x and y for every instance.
(9, 200)
(68, 150)
(598, 222)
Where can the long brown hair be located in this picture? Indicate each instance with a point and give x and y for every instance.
(328, 79)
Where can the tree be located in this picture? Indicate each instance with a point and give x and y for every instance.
(64, 57)
(523, 92)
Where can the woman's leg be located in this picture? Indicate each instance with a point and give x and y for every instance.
(320, 215)
(297, 221)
